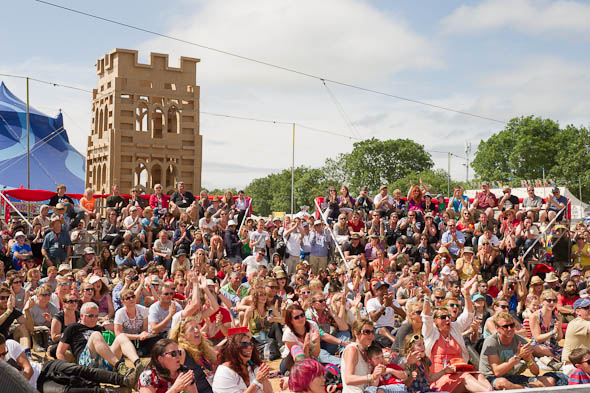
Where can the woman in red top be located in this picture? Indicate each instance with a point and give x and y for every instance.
(158, 200)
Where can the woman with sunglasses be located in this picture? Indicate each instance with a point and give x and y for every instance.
(198, 355)
(356, 375)
(546, 324)
(18, 291)
(258, 317)
(301, 337)
(132, 320)
(411, 326)
(165, 373)
(240, 368)
(444, 341)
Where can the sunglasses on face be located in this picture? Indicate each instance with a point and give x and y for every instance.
(131, 297)
(92, 315)
(45, 295)
(246, 344)
(298, 317)
(4, 297)
(508, 326)
(444, 317)
(368, 332)
(273, 286)
(454, 305)
(167, 293)
(439, 297)
(417, 313)
(88, 289)
(17, 282)
(305, 292)
(71, 301)
(551, 300)
(504, 306)
(320, 301)
(64, 284)
(174, 353)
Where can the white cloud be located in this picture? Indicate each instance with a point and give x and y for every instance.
(339, 39)
(531, 17)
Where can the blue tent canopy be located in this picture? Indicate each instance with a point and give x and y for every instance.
(52, 160)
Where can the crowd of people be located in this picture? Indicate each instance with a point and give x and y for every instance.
(172, 293)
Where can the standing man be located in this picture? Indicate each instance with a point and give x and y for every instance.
(318, 258)
(57, 245)
(292, 235)
(259, 239)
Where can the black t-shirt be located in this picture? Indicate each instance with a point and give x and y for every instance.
(60, 199)
(113, 200)
(60, 317)
(182, 200)
(510, 203)
(6, 325)
(77, 336)
(358, 250)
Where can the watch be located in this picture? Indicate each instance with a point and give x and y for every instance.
(516, 357)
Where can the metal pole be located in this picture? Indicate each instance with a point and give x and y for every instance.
(449, 173)
(28, 151)
(318, 209)
(293, 174)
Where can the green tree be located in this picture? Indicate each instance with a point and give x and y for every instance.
(436, 180)
(373, 162)
(520, 151)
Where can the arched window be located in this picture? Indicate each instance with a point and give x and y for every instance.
(173, 120)
(141, 117)
(141, 175)
(100, 119)
(96, 117)
(156, 174)
(157, 123)
(106, 118)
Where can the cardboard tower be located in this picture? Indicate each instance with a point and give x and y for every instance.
(145, 124)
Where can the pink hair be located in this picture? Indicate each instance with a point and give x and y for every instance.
(303, 373)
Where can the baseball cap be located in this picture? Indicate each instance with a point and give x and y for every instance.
(89, 250)
(477, 296)
(380, 285)
(230, 223)
(317, 222)
(20, 234)
(582, 302)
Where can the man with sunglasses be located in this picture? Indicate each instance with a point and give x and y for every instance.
(453, 239)
(89, 347)
(505, 356)
(161, 312)
(9, 314)
(577, 334)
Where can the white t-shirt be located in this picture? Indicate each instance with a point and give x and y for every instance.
(14, 350)
(208, 226)
(288, 334)
(131, 326)
(293, 243)
(227, 381)
(378, 199)
(252, 264)
(387, 318)
(258, 240)
(136, 228)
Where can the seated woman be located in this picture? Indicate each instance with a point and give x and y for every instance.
(88, 206)
(301, 337)
(165, 372)
(102, 296)
(240, 368)
(132, 320)
(199, 355)
(545, 325)
(444, 341)
(63, 318)
(356, 375)
(42, 311)
(258, 320)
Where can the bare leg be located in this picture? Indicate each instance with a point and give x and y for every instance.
(97, 345)
(473, 385)
(122, 346)
(546, 381)
(484, 382)
(504, 384)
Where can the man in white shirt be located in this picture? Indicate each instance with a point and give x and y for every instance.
(292, 239)
(132, 224)
(251, 263)
(381, 310)
(383, 202)
(13, 352)
(259, 239)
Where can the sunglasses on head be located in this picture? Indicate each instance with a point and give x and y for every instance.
(416, 337)
(174, 353)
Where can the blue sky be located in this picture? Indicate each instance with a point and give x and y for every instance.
(498, 59)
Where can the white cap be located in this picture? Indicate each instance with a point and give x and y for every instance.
(231, 222)
(19, 234)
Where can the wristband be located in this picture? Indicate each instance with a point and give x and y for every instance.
(258, 384)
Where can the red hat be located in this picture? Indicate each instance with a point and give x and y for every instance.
(232, 331)
(461, 365)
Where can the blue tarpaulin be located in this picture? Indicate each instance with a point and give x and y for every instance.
(52, 160)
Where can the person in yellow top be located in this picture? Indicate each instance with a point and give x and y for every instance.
(581, 253)
(467, 266)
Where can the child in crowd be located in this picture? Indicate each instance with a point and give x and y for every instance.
(392, 380)
(418, 365)
(580, 357)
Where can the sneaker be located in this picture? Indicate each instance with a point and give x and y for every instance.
(132, 376)
(122, 368)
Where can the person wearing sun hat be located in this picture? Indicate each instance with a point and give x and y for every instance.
(552, 280)
(21, 251)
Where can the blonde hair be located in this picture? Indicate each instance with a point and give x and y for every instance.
(204, 349)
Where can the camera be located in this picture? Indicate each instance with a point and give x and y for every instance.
(135, 278)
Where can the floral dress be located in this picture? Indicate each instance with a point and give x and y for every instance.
(151, 378)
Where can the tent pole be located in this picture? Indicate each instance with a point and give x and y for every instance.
(28, 151)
